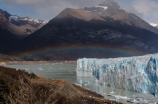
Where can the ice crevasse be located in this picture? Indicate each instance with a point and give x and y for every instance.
(139, 73)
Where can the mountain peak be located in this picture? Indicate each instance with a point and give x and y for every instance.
(103, 11)
(78, 13)
(110, 3)
(102, 7)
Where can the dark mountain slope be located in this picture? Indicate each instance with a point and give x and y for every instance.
(8, 40)
(75, 32)
(71, 30)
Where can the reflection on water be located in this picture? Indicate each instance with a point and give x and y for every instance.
(68, 72)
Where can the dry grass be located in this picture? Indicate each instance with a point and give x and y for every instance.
(19, 87)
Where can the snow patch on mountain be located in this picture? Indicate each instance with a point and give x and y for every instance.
(153, 24)
(14, 17)
(26, 19)
(104, 7)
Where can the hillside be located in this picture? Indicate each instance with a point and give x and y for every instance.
(8, 40)
(14, 28)
(18, 86)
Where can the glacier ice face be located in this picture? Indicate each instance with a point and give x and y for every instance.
(138, 74)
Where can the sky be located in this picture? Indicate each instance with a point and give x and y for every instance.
(48, 9)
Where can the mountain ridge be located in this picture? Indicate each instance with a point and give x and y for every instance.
(22, 26)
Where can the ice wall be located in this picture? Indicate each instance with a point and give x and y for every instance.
(138, 74)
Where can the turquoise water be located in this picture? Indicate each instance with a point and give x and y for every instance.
(68, 72)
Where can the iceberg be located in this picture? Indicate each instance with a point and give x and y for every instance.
(138, 73)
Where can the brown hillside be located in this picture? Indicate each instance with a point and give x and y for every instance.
(80, 14)
(19, 87)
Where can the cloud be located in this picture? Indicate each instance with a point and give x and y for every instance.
(23, 2)
(129, 8)
(148, 8)
(79, 3)
(47, 9)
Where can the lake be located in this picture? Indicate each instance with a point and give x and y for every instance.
(68, 72)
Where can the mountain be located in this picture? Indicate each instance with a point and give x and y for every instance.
(111, 9)
(14, 28)
(8, 40)
(101, 31)
(22, 26)
(108, 9)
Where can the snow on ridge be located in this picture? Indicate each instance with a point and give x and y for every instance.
(27, 19)
(45, 22)
(104, 7)
(34, 21)
(13, 17)
(153, 24)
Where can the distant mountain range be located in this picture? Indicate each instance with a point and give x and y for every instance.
(92, 32)
(22, 26)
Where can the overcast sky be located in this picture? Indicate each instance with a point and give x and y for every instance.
(47, 9)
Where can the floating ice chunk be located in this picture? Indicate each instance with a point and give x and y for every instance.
(40, 68)
(135, 101)
(112, 92)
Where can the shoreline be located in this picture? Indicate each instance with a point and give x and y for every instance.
(61, 91)
(35, 62)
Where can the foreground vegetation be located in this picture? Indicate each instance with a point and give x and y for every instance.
(20, 87)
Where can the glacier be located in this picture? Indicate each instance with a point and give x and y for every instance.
(138, 73)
